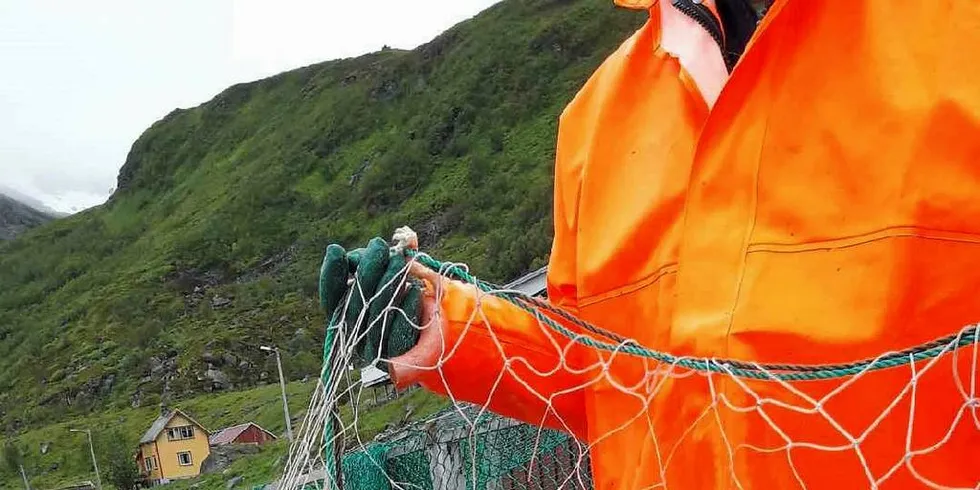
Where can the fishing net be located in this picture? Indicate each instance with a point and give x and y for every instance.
(802, 425)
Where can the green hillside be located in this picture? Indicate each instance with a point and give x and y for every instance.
(211, 243)
(53, 456)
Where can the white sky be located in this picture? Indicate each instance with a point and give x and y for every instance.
(81, 80)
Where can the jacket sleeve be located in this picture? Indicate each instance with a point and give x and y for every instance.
(495, 354)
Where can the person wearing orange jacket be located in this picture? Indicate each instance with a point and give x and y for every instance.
(803, 189)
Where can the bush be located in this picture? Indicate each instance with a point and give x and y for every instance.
(12, 457)
(120, 465)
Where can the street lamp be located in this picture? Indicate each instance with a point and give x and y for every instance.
(282, 385)
(91, 450)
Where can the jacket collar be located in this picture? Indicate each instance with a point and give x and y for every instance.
(649, 4)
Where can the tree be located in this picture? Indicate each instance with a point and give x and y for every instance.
(12, 457)
(121, 469)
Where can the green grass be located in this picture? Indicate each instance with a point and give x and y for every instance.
(239, 196)
(261, 405)
(67, 459)
(372, 421)
(255, 469)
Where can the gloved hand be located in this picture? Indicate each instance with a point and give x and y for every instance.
(380, 281)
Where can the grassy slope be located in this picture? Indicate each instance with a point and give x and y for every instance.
(238, 197)
(67, 460)
(257, 469)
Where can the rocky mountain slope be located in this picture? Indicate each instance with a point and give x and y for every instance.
(17, 217)
(211, 243)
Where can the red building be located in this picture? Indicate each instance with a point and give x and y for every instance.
(247, 433)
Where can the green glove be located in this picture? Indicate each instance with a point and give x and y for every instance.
(378, 274)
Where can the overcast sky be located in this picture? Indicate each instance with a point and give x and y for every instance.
(80, 80)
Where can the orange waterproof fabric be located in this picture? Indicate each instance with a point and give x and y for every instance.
(827, 209)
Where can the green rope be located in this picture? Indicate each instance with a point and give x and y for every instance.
(331, 449)
(763, 371)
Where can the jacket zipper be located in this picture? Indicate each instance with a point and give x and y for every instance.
(707, 20)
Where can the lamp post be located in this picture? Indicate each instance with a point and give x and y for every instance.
(91, 450)
(282, 385)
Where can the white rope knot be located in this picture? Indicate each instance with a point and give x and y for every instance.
(405, 238)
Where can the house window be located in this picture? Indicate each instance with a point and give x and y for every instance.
(180, 433)
(148, 463)
(184, 458)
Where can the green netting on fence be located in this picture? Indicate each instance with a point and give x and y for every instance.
(520, 457)
(364, 470)
(463, 449)
(409, 470)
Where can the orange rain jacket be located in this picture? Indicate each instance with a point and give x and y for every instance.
(825, 209)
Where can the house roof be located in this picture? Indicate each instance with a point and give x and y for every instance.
(532, 283)
(371, 375)
(229, 434)
(161, 422)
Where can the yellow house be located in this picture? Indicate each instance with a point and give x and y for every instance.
(173, 448)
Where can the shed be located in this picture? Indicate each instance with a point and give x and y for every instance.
(377, 380)
(247, 433)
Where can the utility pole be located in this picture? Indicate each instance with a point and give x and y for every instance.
(282, 385)
(91, 450)
(23, 475)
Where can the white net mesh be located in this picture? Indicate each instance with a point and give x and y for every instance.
(902, 420)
